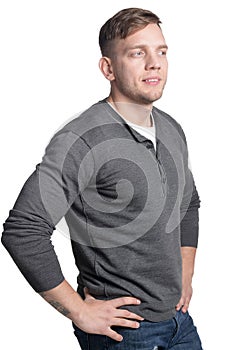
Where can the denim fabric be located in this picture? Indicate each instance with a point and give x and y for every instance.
(178, 333)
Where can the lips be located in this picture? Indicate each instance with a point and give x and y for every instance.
(152, 80)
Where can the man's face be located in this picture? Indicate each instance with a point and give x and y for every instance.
(139, 67)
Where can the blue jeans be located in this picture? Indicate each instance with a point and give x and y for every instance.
(178, 333)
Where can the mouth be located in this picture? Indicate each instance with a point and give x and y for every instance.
(152, 81)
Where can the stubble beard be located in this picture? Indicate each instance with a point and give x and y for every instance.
(146, 99)
(138, 97)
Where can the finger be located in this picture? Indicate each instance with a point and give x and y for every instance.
(128, 314)
(87, 294)
(186, 305)
(180, 304)
(122, 322)
(114, 335)
(124, 301)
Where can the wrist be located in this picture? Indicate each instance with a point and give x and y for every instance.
(65, 300)
(77, 310)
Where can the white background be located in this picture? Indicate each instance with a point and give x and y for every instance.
(49, 72)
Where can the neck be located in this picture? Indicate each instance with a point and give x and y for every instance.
(132, 112)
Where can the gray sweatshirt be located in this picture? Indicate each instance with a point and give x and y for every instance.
(128, 208)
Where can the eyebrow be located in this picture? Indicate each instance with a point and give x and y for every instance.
(140, 46)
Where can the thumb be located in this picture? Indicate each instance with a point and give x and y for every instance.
(87, 294)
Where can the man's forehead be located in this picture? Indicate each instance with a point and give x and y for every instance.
(149, 35)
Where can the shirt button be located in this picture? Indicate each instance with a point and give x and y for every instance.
(149, 145)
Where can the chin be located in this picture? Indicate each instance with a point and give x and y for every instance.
(157, 96)
(151, 99)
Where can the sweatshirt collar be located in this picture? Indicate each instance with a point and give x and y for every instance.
(116, 116)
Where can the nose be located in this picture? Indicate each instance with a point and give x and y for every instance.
(153, 62)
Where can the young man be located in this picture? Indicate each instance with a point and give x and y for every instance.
(119, 174)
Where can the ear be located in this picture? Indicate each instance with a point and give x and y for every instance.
(105, 65)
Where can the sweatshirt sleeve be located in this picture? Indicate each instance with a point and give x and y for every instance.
(190, 221)
(44, 199)
(189, 207)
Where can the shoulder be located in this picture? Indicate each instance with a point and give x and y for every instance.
(86, 120)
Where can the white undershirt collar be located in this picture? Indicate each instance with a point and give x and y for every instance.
(148, 132)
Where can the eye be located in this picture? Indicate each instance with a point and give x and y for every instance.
(138, 53)
(162, 52)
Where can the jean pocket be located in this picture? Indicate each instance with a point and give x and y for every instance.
(82, 337)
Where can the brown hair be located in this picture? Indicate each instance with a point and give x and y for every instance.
(123, 24)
